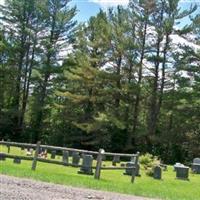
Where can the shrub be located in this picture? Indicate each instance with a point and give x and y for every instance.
(148, 162)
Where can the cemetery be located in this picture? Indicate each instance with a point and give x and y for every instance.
(101, 95)
(100, 170)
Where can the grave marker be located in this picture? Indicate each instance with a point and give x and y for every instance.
(196, 166)
(2, 156)
(157, 173)
(75, 158)
(17, 160)
(129, 171)
(116, 159)
(53, 154)
(65, 157)
(86, 167)
(182, 172)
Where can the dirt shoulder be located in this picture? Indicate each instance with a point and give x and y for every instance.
(25, 189)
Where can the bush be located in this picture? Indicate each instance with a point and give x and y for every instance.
(148, 162)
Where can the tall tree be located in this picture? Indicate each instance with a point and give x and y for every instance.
(58, 26)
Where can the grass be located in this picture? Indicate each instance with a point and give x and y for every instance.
(169, 188)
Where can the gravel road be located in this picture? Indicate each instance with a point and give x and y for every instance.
(12, 188)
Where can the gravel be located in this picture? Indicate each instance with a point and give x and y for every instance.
(12, 188)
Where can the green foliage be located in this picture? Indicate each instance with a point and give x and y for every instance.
(148, 162)
(118, 81)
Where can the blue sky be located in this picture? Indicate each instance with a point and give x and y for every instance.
(88, 8)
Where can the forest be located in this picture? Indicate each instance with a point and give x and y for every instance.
(126, 80)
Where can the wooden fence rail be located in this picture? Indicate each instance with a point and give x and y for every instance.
(97, 168)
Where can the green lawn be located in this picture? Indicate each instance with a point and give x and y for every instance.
(168, 188)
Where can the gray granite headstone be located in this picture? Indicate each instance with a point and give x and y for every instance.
(196, 166)
(17, 160)
(53, 154)
(65, 157)
(86, 167)
(157, 172)
(133, 158)
(129, 171)
(2, 156)
(182, 172)
(137, 170)
(75, 158)
(196, 160)
(178, 165)
(116, 159)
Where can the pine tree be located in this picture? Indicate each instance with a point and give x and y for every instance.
(57, 34)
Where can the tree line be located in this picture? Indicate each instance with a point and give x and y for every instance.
(120, 81)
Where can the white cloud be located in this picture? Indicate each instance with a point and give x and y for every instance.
(176, 39)
(189, 1)
(1, 2)
(110, 3)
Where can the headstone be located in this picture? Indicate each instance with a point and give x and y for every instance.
(129, 171)
(196, 166)
(116, 159)
(133, 158)
(82, 155)
(103, 157)
(53, 154)
(2, 156)
(17, 160)
(75, 158)
(196, 161)
(182, 172)
(178, 165)
(86, 167)
(65, 157)
(157, 173)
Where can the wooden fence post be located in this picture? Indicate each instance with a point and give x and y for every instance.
(137, 158)
(8, 146)
(34, 163)
(133, 174)
(99, 163)
(134, 167)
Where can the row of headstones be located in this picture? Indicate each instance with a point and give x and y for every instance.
(76, 157)
(16, 160)
(87, 162)
(182, 171)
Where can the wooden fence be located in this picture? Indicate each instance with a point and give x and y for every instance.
(99, 157)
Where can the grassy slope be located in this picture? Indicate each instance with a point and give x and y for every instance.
(168, 188)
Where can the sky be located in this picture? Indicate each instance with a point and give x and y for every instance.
(88, 8)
